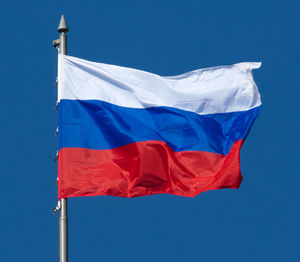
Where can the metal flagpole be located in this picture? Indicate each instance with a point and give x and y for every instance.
(63, 219)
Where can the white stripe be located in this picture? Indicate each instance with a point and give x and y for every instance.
(204, 91)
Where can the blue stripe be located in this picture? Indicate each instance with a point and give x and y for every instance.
(96, 124)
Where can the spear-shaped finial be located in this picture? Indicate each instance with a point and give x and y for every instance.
(62, 27)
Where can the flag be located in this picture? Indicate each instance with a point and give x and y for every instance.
(127, 132)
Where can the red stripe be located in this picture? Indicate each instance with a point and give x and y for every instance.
(145, 168)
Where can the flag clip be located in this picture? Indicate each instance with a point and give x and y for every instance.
(55, 83)
(56, 156)
(56, 44)
(56, 208)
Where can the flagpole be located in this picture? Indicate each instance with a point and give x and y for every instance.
(63, 219)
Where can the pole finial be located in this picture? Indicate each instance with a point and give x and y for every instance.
(62, 27)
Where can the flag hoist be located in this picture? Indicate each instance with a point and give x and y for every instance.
(61, 45)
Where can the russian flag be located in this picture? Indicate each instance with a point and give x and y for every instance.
(126, 132)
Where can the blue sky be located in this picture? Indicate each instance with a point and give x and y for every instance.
(258, 222)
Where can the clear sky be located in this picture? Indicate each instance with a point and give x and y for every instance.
(258, 222)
